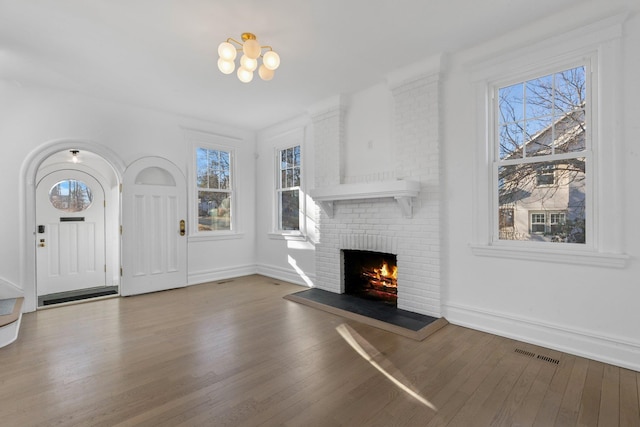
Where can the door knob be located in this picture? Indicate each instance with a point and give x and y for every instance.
(41, 244)
(182, 227)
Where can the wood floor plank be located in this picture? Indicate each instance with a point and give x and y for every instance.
(550, 406)
(629, 409)
(526, 413)
(237, 353)
(570, 405)
(516, 396)
(590, 402)
(610, 401)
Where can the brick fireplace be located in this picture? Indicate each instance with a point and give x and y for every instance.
(398, 214)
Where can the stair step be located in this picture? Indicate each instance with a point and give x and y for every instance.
(14, 315)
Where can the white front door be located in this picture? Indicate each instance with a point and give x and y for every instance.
(154, 242)
(70, 232)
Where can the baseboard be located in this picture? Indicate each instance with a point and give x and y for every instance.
(217, 274)
(285, 274)
(607, 349)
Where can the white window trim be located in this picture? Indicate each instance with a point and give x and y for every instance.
(600, 45)
(288, 140)
(211, 141)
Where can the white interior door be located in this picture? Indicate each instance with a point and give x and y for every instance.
(154, 242)
(70, 232)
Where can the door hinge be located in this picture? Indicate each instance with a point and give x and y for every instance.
(105, 203)
(121, 187)
(120, 271)
(105, 268)
(121, 230)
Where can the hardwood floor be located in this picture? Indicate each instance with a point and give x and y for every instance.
(236, 353)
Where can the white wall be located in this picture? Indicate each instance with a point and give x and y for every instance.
(583, 309)
(32, 117)
(369, 153)
(286, 258)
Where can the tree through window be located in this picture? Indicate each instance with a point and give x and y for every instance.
(541, 150)
(288, 191)
(214, 189)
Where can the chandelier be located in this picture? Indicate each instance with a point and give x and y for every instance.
(251, 50)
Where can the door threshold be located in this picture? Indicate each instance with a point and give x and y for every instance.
(80, 295)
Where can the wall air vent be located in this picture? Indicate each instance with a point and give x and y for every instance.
(524, 352)
(548, 359)
(537, 356)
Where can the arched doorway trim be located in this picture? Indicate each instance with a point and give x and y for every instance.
(27, 203)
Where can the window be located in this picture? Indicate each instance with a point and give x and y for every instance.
(553, 226)
(70, 196)
(214, 189)
(288, 189)
(506, 218)
(537, 223)
(556, 222)
(545, 175)
(541, 145)
(552, 104)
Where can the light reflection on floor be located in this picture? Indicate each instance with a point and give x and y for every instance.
(369, 353)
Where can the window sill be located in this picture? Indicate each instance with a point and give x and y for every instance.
(223, 235)
(287, 236)
(560, 256)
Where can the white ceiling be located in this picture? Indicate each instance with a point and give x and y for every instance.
(162, 54)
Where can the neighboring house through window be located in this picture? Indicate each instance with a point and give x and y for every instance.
(548, 186)
(542, 154)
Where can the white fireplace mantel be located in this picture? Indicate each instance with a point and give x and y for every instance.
(403, 191)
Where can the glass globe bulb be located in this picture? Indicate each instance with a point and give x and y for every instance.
(226, 67)
(251, 48)
(244, 75)
(265, 73)
(248, 63)
(271, 60)
(227, 51)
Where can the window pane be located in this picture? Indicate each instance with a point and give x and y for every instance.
(214, 211)
(202, 168)
(283, 159)
(511, 140)
(289, 208)
(531, 189)
(539, 137)
(296, 177)
(510, 104)
(570, 132)
(571, 90)
(70, 195)
(539, 97)
(289, 182)
(223, 179)
(296, 155)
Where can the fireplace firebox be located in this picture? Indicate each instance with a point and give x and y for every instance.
(371, 275)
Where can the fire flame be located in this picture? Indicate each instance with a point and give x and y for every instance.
(386, 274)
